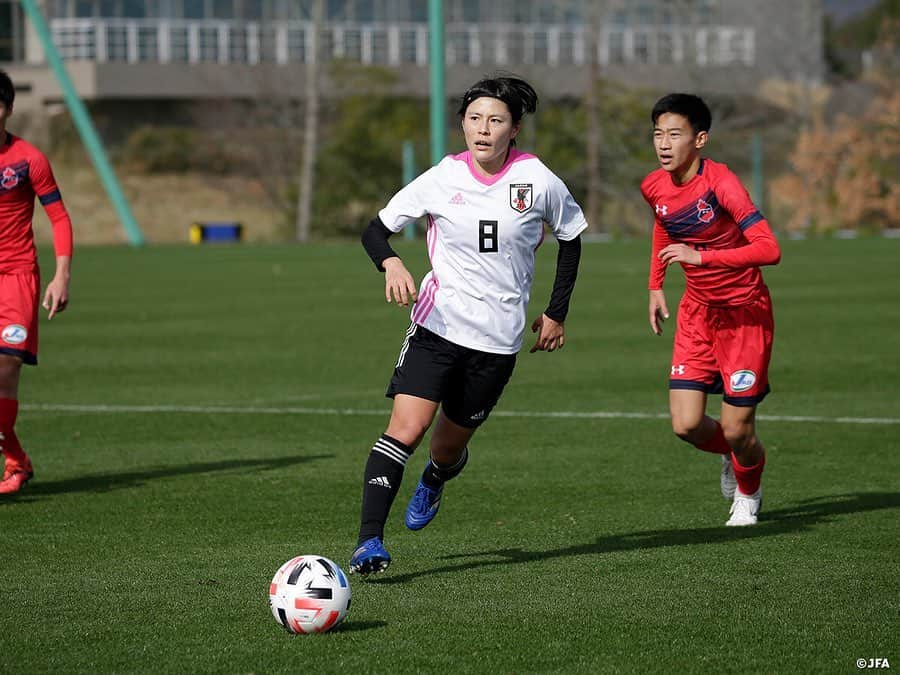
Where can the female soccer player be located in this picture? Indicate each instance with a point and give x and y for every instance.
(704, 219)
(486, 210)
(24, 175)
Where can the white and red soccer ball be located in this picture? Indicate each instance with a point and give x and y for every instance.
(309, 594)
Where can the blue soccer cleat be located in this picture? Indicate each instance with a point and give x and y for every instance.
(369, 558)
(423, 506)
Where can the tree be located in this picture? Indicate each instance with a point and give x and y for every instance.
(846, 171)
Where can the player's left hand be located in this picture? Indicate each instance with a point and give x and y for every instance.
(551, 335)
(56, 297)
(679, 253)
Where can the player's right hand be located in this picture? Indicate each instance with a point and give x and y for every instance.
(658, 310)
(398, 282)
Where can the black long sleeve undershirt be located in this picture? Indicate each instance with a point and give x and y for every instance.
(566, 272)
(375, 241)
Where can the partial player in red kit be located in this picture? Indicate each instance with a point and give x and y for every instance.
(705, 220)
(24, 175)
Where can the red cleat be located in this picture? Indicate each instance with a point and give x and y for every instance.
(15, 477)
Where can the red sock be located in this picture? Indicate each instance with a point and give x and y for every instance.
(717, 444)
(9, 443)
(748, 477)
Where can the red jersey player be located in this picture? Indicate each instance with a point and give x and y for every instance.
(705, 220)
(24, 175)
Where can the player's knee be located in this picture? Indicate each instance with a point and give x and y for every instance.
(407, 431)
(739, 436)
(685, 429)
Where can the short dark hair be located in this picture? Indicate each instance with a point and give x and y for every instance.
(7, 90)
(516, 93)
(691, 107)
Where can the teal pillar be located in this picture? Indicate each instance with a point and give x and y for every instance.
(438, 88)
(84, 125)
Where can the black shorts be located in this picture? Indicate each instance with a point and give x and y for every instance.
(466, 382)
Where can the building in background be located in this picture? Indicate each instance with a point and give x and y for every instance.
(210, 49)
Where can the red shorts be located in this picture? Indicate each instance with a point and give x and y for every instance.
(724, 350)
(19, 298)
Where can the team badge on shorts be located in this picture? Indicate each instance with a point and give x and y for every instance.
(14, 334)
(742, 380)
(520, 196)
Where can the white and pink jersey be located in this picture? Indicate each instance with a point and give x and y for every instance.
(482, 236)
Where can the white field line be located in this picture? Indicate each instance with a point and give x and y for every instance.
(252, 410)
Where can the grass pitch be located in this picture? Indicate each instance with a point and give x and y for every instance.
(201, 415)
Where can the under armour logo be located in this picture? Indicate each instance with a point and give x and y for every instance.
(678, 370)
(662, 209)
(380, 481)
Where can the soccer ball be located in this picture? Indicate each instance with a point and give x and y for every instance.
(309, 594)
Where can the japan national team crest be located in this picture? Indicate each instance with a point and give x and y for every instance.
(9, 178)
(704, 211)
(520, 196)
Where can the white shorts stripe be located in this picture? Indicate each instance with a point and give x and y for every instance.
(409, 333)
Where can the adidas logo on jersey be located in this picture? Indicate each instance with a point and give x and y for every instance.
(381, 481)
(457, 199)
(477, 416)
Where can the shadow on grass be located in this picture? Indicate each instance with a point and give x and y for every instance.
(106, 482)
(795, 519)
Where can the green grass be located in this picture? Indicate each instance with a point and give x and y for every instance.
(571, 544)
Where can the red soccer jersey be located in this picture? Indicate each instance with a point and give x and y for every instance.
(712, 213)
(24, 174)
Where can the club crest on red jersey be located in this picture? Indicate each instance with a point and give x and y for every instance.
(9, 178)
(520, 196)
(704, 211)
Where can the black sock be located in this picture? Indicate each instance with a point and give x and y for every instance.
(384, 471)
(435, 475)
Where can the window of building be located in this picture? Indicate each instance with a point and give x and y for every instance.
(178, 43)
(252, 9)
(641, 47)
(458, 50)
(194, 9)
(134, 9)
(408, 51)
(616, 47)
(208, 46)
(148, 43)
(352, 45)
(326, 46)
(237, 44)
(665, 47)
(117, 43)
(644, 15)
(296, 45)
(223, 9)
(85, 8)
(540, 47)
(380, 49)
